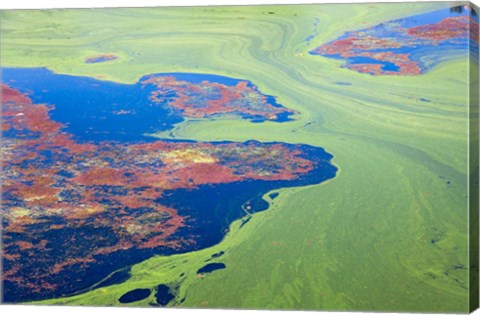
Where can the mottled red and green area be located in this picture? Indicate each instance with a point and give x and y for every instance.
(408, 46)
(209, 99)
(69, 208)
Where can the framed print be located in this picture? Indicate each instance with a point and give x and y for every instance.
(272, 157)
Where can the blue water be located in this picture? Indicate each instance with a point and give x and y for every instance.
(211, 268)
(90, 108)
(96, 110)
(219, 254)
(163, 295)
(387, 66)
(135, 295)
(274, 195)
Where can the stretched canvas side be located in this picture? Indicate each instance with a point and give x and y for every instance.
(473, 164)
